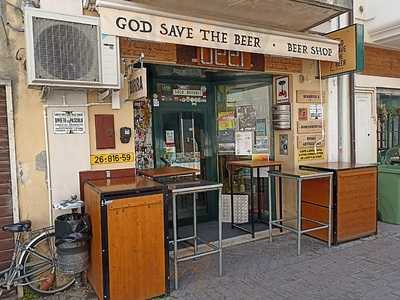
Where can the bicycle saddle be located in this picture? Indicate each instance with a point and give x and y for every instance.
(18, 227)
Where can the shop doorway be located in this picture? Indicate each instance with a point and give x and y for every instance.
(6, 214)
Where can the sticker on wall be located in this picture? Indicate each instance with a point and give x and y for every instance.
(303, 114)
(111, 158)
(316, 112)
(69, 122)
(283, 144)
(311, 154)
(282, 90)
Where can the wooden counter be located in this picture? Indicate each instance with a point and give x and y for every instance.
(354, 208)
(167, 172)
(128, 249)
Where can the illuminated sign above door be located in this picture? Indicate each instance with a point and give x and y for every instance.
(153, 26)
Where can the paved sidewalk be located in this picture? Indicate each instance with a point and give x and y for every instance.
(365, 269)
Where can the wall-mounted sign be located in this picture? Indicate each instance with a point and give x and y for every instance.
(309, 97)
(310, 141)
(283, 144)
(351, 51)
(153, 52)
(111, 158)
(283, 64)
(303, 114)
(313, 126)
(166, 29)
(137, 84)
(182, 93)
(69, 122)
(282, 90)
(281, 117)
(311, 154)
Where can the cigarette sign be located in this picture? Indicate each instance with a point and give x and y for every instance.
(69, 122)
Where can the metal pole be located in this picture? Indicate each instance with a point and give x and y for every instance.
(330, 211)
(252, 204)
(220, 229)
(174, 221)
(269, 207)
(298, 198)
(195, 222)
(258, 194)
(231, 184)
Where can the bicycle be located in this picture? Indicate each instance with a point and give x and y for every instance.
(34, 262)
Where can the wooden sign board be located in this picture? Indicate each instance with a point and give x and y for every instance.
(351, 51)
(310, 140)
(313, 126)
(309, 97)
(276, 64)
(153, 52)
(382, 62)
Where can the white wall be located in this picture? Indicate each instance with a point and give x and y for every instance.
(69, 153)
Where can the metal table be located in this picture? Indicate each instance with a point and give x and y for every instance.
(299, 176)
(253, 164)
(194, 187)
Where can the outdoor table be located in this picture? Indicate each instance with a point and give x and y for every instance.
(194, 187)
(253, 164)
(299, 176)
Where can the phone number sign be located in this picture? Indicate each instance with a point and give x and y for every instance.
(111, 158)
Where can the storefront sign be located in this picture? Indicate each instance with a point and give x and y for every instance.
(137, 84)
(351, 51)
(309, 97)
(310, 141)
(153, 52)
(182, 93)
(111, 158)
(279, 64)
(311, 154)
(69, 122)
(313, 126)
(165, 29)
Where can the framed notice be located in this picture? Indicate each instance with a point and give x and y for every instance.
(69, 122)
(309, 97)
(313, 126)
(244, 141)
(282, 90)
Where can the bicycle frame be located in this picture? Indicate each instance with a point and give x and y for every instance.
(11, 276)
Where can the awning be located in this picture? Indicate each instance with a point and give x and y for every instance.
(149, 23)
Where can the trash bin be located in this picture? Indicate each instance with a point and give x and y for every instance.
(72, 232)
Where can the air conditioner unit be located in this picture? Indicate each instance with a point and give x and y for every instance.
(69, 51)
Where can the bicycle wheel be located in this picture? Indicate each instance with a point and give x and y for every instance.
(40, 269)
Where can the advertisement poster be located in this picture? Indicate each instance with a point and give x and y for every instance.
(226, 140)
(244, 143)
(246, 118)
(282, 90)
(303, 114)
(311, 154)
(262, 145)
(261, 127)
(226, 120)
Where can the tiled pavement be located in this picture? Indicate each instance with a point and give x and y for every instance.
(365, 269)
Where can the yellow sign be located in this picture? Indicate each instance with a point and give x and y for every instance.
(311, 154)
(111, 158)
(351, 51)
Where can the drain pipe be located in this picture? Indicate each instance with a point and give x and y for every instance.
(352, 106)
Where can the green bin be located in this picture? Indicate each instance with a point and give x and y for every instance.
(389, 193)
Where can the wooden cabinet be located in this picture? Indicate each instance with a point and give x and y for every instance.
(128, 251)
(354, 210)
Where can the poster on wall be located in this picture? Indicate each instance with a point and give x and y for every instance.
(226, 140)
(311, 154)
(226, 120)
(246, 118)
(244, 142)
(261, 127)
(262, 145)
(69, 122)
(283, 144)
(282, 90)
